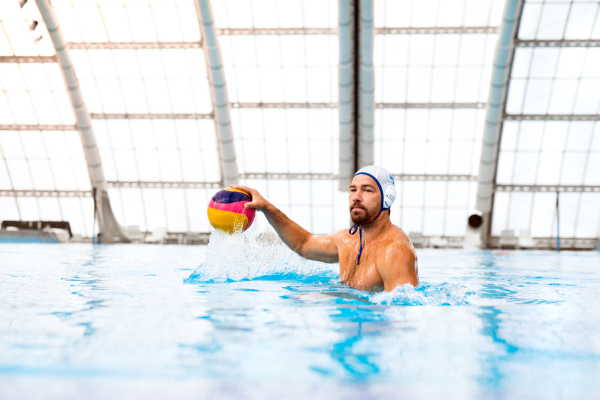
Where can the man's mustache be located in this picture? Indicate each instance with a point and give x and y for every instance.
(357, 206)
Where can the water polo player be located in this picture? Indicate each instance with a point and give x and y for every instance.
(380, 255)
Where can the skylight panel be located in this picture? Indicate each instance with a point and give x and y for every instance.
(23, 32)
(50, 209)
(129, 21)
(265, 13)
(5, 182)
(564, 20)
(154, 208)
(19, 173)
(8, 208)
(41, 174)
(28, 208)
(143, 81)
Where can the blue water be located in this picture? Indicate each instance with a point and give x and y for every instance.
(245, 318)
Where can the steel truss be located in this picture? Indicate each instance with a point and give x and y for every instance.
(19, 127)
(27, 59)
(552, 117)
(431, 105)
(557, 43)
(164, 185)
(133, 45)
(548, 188)
(278, 176)
(284, 105)
(378, 31)
(151, 116)
(45, 193)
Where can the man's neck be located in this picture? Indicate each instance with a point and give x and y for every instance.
(381, 223)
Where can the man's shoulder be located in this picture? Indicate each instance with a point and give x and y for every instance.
(396, 236)
(397, 243)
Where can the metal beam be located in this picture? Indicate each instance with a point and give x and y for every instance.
(110, 228)
(280, 176)
(218, 91)
(284, 105)
(379, 31)
(427, 177)
(552, 117)
(346, 82)
(366, 84)
(277, 31)
(150, 116)
(18, 127)
(45, 193)
(548, 188)
(397, 177)
(164, 185)
(27, 59)
(437, 30)
(430, 105)
(496, 104)
(133, 45)
(557, 43)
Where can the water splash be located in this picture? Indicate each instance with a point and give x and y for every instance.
(444, 294)
(257, 254)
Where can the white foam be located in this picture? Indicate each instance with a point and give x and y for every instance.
(443, 294)
(255, 253)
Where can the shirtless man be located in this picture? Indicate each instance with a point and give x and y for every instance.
(380, 255)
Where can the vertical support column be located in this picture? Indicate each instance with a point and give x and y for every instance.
(356, 88)
(496, 105)
(111, 230)
(218, 91)
(346, 83)
(366, 84)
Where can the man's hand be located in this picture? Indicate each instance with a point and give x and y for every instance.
(258, 202)
(320, 248)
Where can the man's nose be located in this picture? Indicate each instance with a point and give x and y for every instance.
(356, 198)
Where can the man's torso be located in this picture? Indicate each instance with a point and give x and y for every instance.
(366, 276)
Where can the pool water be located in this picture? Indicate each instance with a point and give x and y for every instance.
(246, 318)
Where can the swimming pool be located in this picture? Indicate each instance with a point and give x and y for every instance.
(254, 321)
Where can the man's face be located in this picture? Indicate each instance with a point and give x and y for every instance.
(365, 200)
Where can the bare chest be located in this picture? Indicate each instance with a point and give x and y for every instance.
(364, 276)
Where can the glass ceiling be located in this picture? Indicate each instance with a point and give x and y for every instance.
(552, 133)
(143, 76)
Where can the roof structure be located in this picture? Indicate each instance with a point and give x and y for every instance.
(142, 70)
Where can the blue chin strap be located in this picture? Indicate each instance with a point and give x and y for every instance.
(359, 228)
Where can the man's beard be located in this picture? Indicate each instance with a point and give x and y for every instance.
(362, 218)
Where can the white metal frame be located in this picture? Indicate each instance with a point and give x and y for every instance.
(218, 89)
(110, 228)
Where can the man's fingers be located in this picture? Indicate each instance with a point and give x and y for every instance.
(250, 205)
(244, 188)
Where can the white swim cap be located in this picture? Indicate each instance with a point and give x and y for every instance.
(385, 181)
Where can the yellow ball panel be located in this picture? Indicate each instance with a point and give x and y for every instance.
(227, 221)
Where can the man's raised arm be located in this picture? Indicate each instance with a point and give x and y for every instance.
(307, 245)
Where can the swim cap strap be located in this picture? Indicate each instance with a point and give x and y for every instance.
(360, 232)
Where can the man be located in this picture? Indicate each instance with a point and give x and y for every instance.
(382, 256)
